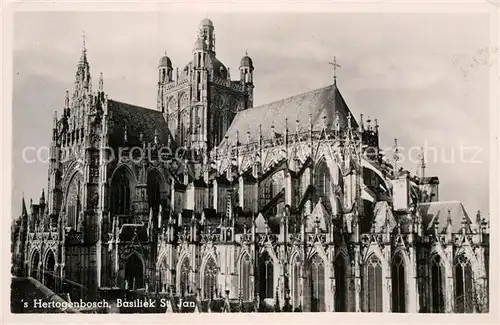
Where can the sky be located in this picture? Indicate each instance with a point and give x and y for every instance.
(424, 76)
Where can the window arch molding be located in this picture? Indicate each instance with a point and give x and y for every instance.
(464, 290)
(399, 282)
(245, 270)
(322, 183)
(437, 283)
(373, 287)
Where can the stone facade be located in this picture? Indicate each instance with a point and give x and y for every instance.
(300, 212)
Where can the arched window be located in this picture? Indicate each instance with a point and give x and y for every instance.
(184, 276)
(35, 260)
(209, 278)
(154, 181)
(340, 284)
(322, 184)
(173, 117)
(245, 271)
(314, 299)
(134, 273)
(373, 285)
(398, 284)
(73, 200)
(437, 282)
(49, 270)
(184, 126)
(163, 280)
(267, 192)
(120, 194)
(296, 266)
(464, 288)
(266, 276)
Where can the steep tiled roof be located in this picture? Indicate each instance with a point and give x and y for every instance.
(317, 103)
(135, 119)
(439, 211)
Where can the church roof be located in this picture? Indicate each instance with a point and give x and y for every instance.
(318, 103)
(136, 120)
(442, 212)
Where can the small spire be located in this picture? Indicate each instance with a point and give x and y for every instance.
(55, 119)
(361, 123)
(324, 122)
(246, 52)
(66, 100)
(24, 211)
(101, 82)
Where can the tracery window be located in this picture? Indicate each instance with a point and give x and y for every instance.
(120, 194)
(154, 191)
(173, 117)
(398, 284)
(340, 284)
(373, 285)
(437, 282)
(464, 286)
(73, 200)
(184, 119)
(314, 299)
(296, 267)
(245, 271)
(209, 278)
(184, 276)
(267, 192)
(266, 276)
(322, 183)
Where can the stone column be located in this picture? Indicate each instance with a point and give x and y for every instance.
(241, 192)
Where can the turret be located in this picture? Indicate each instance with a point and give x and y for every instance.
(246, 78)
(207, 34)
(164, 77)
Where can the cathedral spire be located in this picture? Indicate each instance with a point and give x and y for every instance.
(24, 211)
(83, 57)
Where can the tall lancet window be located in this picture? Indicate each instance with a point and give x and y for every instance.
(185, 113)
(120, 194)
(322, 183)
(464, 286)
(373, 285)
(398, 284)
(314, 299)
(73, 200)
(209, 278)
(245, 271)
(184, 276)
(173, 117)
(266, 276)
(296, 268)
(437, 282)
(219, 118)
(340, 284)
(267, 192)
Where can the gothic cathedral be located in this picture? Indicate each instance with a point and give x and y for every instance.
(285, 206)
